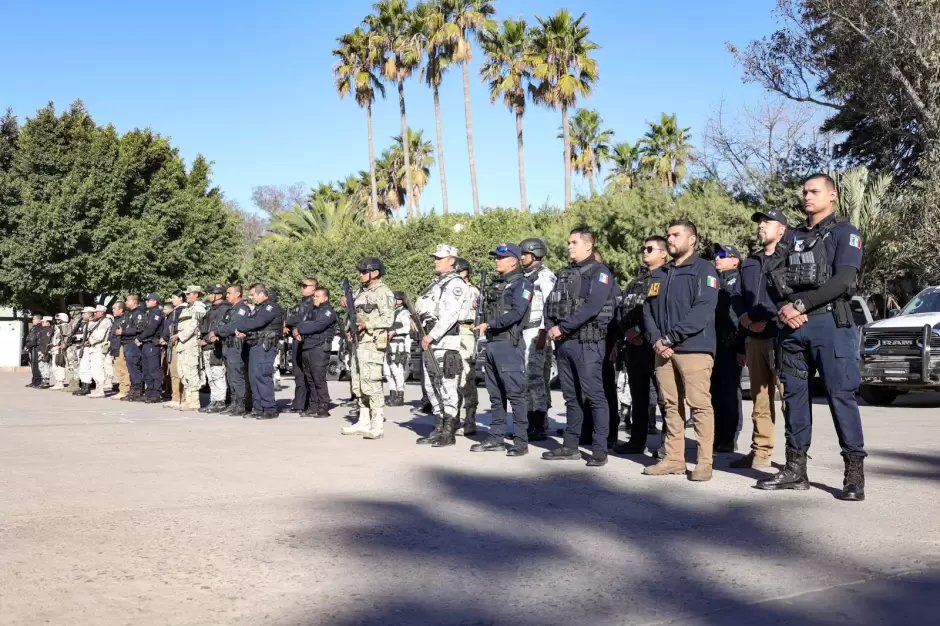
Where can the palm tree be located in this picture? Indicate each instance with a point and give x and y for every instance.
(470, 17)
(321, 218)
(565, 70)
(626, 159)
(861, 199)
(436, 34)
(357, 58)
(665, 149)
(422, 160)
(401, 54)
(590, 146)
(508, 70)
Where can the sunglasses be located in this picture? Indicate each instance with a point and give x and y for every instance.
(364, 271)
(309, 285)
(649, 249)
(721, 254)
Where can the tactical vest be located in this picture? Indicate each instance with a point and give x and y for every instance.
(232, 341)
(566, 299)
(426, 305)
(534, 317)
(808, 267)
(499, 302)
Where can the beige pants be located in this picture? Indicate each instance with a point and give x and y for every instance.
(764, 385)
(687, 376)
(120, 370)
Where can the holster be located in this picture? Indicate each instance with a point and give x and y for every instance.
(842, 312)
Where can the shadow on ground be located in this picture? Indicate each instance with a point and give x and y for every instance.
(567, 548)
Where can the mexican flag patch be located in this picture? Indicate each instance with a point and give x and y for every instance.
(711, 281)
(855, 241)
(604, 278)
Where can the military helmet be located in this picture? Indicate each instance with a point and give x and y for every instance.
(535, 247)
(399, 295)
(462, 265)
(371, 263)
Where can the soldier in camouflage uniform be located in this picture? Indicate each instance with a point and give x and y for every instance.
(468, 344)
(188, 351)
(396, 355)
(538, 353)
(375, 309)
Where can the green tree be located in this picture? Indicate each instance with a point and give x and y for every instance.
(321, 218)
(665, 151)
(422, 160)
(357, 60)
(401, 54)
(590, 146)
(564, 69)
(862, 199)
(623, 175)
(507, 67)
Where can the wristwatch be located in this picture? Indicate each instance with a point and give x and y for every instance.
(667, 341)
(799, 306)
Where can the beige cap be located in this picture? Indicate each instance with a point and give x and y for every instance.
(62, 317)
(88, 309)
(101, 308)
(443, 251)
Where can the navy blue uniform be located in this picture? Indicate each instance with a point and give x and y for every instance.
(680, 304)
(149, 336)
(822, 344)
(754, 297)
(235, 351)
(292, 321)
(726, 373)
(263, 329)
(114, 341)
(508, 300)
(581, 306)
(318, 328)
(640, 361)
(133, 324)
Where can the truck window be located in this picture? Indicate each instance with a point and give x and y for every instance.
(927, 301)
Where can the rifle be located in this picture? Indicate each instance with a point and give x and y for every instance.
(353, 324)
(480, 316)
(430, 361)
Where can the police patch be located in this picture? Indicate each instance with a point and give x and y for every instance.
(458, 291)
(711, 281)
(855, 241)
(526, 294)
(654, 290)
(603, 278)
(798, 245)
(241, 311)
(269, 308)
(329, 313)
(156, 318)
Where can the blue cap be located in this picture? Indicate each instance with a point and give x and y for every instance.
(507, 250)
(727, 251)
(770, 214)
(152, 296)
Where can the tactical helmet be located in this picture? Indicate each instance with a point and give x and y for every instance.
(535, 247)
(462, 265)
(399, 295)
(371, 263)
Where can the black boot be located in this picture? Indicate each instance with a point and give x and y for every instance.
(853, 486)
(792, 476)
(435, 434)
(470, 423)
(84, 390)
(536, 430)
(448, 432)
(652, 430)
(227, 410)
(427, 408)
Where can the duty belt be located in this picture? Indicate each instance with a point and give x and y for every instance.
(821, 310)
(467, 325)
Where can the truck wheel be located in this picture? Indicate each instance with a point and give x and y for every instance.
(877, 396)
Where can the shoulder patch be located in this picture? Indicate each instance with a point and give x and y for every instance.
(603, 278)
(329, 313)
(269, 308)
(654, 290)
(855, 241)
(241, 311)
(526, 294)
(156, 318)
(711, 281)
(458, 291)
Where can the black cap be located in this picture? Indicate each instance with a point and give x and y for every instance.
(730, 251)
(771, 214)
(216, 288)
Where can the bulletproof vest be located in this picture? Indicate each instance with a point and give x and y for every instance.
(499, 302)
(538, 299)
(566, 298)
(297, 314)
(635, 295)
(806, 265)
(427, 303)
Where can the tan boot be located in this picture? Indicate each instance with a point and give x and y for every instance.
(376, 426)
(702, 472)
(119, 395)
(751, 459)
(665, 467)
(191, 402)
(362, 426)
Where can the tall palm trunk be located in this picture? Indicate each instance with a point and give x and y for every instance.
(567, 136)
(591, 182)
(525, 205)
(590, 171)
(375, 188)
(440, 146)
(406, 146)
(473, 164)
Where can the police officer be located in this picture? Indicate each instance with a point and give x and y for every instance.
(467, 385)
(439, 309)
(538, 354)
(302, 393)
(640, 355)
(726, 374)
(760, 325)
(396, 355)
(133, 323)
(148, 339)
(212, 357)
(314, 334)
(813, 288)
(679, 319)
(375, 307)
(508, 300)
(579, 310)
(262, 330)
(43, 347)
(29, 346)
(188, 351)
(235, 351)
(174, 391)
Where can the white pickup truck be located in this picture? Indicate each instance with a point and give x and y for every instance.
(902, 353)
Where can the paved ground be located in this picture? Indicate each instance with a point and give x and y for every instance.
(117, 513)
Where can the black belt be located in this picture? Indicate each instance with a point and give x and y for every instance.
(821, 310)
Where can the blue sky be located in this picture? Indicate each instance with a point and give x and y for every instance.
(249, 84)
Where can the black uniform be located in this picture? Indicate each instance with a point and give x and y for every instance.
(212, 352)
(317, 327)
(508, 299)
(133, 323)
(582, 307)
(726, 373)
(114, 341)
(263, 329)
(32, 338)
(609, 375)
(235, 351)
(292, 320)
(150, 352)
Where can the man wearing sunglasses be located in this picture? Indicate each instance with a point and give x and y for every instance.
(293, 318)
(640, 355)
(726, 374)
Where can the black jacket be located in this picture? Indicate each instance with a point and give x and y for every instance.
(755, 298)
(318, 327)
(680, 304)
(726, 317)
